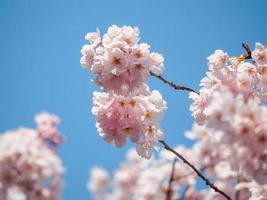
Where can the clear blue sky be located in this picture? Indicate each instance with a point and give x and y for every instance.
(40, 45)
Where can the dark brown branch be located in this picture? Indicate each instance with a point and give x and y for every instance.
(172, 85)
(202, 169)
(207, 182)
(169, 190)
(247, 48)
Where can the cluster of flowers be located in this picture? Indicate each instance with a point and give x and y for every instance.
(137, 178)
(126, 108)
(119, 62)
(234, 74)
(47, 128)
(230, 141)
(29, 168)
(231, 110)
(142, 179)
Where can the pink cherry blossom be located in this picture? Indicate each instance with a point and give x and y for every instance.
(259, 55)
(99, 181)
(218, 60)
(135, 117)
(138, 178)
(242, 77)
(258, 192)
(120, 63)
(47, 127)
(230, 132)
(28, 167)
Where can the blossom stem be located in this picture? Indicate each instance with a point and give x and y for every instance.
(169, 191)
(206, 180)
(247, 48)
(173, 85)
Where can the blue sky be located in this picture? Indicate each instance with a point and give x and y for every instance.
(40, 45)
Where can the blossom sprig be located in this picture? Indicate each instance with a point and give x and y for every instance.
(29, 168)
(127, 108)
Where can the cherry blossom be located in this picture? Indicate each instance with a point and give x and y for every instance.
(120, 63)
(135, 117)
(259, 55)
(217, 60)
(29, 168)
(139, 178)
(239, 77)
(47, 127)
(230, 134)
(258, 192)
(99, 181)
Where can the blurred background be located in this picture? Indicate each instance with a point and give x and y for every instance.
(40, 44)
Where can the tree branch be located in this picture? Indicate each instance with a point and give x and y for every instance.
(206, 180)
(169, 190)
(202, 169)
(172, 85)
(247, 48)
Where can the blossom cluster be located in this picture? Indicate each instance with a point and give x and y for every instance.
(29, 168)
(237, 167)
(236, 74)
(235, 158)
(127, 108)
(120, 63)
(230, 137)
(47, 128)
(142, 179)
(230, 107)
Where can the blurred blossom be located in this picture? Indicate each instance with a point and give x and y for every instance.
(29, 168)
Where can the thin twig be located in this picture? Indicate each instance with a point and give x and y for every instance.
(169, 190)
(247, 48)
(172, 85)
(207, 182)
(202, 169)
